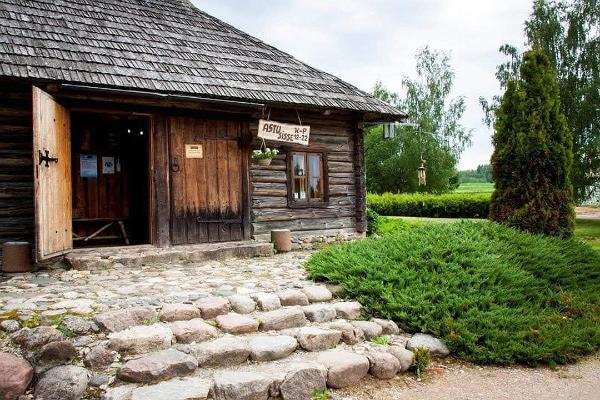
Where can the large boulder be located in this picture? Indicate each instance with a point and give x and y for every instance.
(269, 348)
(224, 352)
(317, 294)
(317, 339)
(118, 320)
(213, 306)
(319, 312)
(284, 318)
(344, 368)
(99, 357)
(242, 304)
(348, 309)
(33, 339)
(15, 376)
(237, 324)
(292, 297)
(370, 329)
(267, 301)
(176, 389)
(158, 366)
(54, 354)
(434, 345)
(383, 365)
(242, 386)
(302, 381)
(179, 312)
(350, 334)
(389, 327)
(404, 356)
(67, 382)
(141, 339)
(195, 330)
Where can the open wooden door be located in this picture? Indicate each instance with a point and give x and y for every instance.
(52, 176)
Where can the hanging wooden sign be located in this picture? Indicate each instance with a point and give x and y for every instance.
(279, 132)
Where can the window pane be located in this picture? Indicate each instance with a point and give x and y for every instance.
(314, 166)
(298, 165)
(300, 188)
(315, 188)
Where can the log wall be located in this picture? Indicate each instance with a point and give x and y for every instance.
(334, 135)
(16, 169)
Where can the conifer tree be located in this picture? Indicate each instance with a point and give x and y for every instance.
(533, 153)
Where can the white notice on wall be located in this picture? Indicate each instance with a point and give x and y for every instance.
(279, 132)
(88, 166)
(194, 151)
(108, 165)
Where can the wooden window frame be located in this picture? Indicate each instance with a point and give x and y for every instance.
(294, 203)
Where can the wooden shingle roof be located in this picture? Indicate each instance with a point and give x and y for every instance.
(164, 46)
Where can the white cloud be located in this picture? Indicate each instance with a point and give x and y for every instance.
(365, 41)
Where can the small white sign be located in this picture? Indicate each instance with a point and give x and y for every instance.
(108, 165)
(194, 151)
(88, 166)
(279, 132)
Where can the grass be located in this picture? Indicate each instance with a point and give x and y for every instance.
(494, 294)
(589, 231)
(382, 340)
(475, 188)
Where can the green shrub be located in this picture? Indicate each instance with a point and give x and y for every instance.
(450, 205)
(372, 222)
(422, 360)
(493, 293)
(389, 225)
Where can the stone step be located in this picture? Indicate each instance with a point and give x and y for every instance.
(135, 256)
(296, 377)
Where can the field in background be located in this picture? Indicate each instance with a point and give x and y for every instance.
(475, 188)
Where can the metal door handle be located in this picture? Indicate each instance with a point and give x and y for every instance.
(175, 165)
(46, 158)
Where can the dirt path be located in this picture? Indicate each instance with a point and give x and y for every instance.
(460, 381)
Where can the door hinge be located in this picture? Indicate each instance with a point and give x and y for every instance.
(46, 158)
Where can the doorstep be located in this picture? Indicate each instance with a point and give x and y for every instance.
(134, 256)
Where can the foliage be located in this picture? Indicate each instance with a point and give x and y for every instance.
(390, 225)
(32, 322)
(493, 293)
(483, 174)
(568, 31)
(422, 360)
(372, 222)
(440, 139)
(321, 394)
(533, 154)
(449, 205)
(267, 153)
(475, 188)
(61, 327)
(382, 340)
(589, 231)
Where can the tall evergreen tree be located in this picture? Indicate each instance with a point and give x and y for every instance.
(533, 153)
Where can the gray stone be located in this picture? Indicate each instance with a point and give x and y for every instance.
(32, 339)
(242, 304)
(236, 323)
(344, 368)
(158, 366)
(302, 381)
(319, 312)
(283, 318)
(269, 348)
(350, 334)
(404, 356)
(316, 294)
(317, 339)
(82, 341)
(383, 365)
(225, 351)
(67, 382)
(267, 301)
(348, 309)
(99, 380)
(292, 297)
(141, 339)
(54, 354)
(120, 392)
(10, 325)
(212, 307)
(118, 320)
(176, 389)
(435, 345)
(179, 312)
(99, 357)
(389, 327)
(242, 386)
(195, 330)
(77, 325)
(15, 376)
(370, 329)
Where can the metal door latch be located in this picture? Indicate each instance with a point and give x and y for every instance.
(46, 158)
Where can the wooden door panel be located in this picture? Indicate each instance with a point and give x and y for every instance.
(52, 180)
(206, 192)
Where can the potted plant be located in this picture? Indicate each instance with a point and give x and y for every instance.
(264, 156)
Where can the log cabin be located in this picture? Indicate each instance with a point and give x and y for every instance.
(134, 121)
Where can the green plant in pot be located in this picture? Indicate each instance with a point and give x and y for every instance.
(264, 156)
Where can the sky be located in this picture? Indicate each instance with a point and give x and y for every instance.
(365, 41)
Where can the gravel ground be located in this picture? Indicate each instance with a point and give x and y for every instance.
(456, 380)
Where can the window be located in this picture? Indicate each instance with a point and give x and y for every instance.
(307, 174)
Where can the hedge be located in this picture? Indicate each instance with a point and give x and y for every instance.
(450, 205)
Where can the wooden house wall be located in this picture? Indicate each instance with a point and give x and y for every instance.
(334, 135)
(16, 170)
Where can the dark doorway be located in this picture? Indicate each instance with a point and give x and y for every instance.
(110, 171)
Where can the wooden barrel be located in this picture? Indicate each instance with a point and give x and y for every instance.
(16, 257)
(282, 239)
